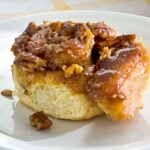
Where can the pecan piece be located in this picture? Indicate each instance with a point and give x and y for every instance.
(71, 70)
(105, 53)
(6, 92)
(40, 121)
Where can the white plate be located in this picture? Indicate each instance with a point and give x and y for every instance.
(98, 133)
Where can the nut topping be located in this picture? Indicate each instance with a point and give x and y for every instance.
(71, 70)
(6, 92)
(40, 121)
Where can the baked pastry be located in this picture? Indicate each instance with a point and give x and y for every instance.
(49, 92)
(79, 70)
(119, 79)
(41, 53)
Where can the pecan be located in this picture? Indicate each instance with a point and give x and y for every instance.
(102, 30)
(6, 92)
(40, 121)
(71, 70)
(105, 53)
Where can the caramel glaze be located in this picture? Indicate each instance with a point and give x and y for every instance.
(53, 45)
(118, 82)
(115, 83)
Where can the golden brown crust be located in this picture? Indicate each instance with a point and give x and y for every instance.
(52, 93)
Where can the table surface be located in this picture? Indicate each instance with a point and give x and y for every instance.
(15, 8)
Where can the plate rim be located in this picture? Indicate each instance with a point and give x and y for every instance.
(6, 140)
(73, 12)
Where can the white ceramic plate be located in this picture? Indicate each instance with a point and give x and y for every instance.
(98, 133)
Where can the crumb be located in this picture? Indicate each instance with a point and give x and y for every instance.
(40, 121)
(6, 93)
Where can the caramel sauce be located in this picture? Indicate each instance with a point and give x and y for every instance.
(102, 79)
(107, 72)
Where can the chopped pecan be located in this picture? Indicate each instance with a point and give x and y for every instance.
(6, 92)
(102, 30)
(55, 44)
(40, 121)
(119, 41)
(105, 53)
(31, 62)
(71, 70)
